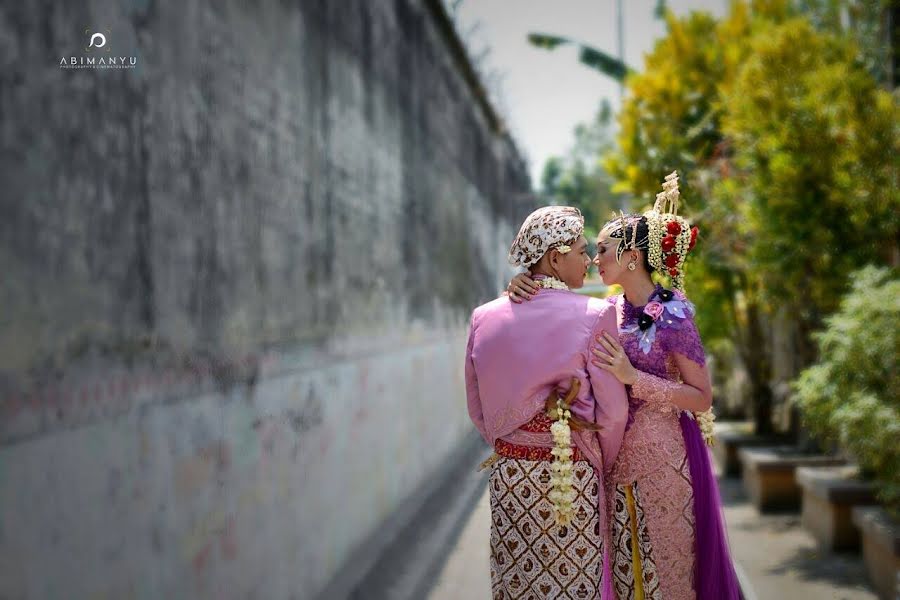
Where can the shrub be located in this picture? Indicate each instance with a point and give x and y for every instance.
(852, 395)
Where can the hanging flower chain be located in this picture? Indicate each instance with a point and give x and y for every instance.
(706, 421)
(552, 283)
(562, 493)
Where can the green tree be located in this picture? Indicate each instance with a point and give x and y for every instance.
(789, 148)
(578, 178)
(671, 120)
(868, 23)
(815, 143)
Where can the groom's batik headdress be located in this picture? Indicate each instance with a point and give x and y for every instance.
(547, 227)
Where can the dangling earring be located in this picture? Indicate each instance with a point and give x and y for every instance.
(632, 265)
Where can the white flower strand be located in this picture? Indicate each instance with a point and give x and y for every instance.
(655, 226)
(552, 283)
(562, 493)
(706, 421)
(665, 211)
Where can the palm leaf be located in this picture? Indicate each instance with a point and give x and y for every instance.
(589, 56)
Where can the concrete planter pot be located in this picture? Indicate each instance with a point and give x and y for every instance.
(733, 437)
(829, 495)
(881, 549)
(769, 475)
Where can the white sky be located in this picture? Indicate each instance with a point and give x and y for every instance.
(547, 93)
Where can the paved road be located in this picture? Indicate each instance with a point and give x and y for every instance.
(776, 558)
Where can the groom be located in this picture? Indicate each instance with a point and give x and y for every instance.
(517, 356)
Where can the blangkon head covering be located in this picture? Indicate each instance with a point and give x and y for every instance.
(547, 227)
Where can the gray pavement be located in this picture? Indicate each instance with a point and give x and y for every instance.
(465, 574)
(775, 557)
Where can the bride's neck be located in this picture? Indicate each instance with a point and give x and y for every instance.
(638, 289)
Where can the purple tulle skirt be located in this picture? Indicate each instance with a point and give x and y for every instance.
(714, 576)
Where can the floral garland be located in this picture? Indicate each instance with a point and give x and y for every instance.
(562, 493)
(706, 421)
(672, 308)
(551, 283)
(670, 236)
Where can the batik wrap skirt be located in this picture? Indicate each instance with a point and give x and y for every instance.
(531, 556)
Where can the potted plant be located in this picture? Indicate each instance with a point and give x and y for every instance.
(852, 397)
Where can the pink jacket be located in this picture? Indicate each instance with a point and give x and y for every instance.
(517, 354)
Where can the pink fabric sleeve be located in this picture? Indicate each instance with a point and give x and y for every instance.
(651, 388)
(611, 401)
(695, 395)
(685, 340)
(473, 400)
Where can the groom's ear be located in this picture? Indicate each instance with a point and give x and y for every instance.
(554, 256)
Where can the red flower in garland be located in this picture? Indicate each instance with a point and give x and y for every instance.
(672, 260)
(694, 233)
(674, 227)
(673, 272)
(668, 243)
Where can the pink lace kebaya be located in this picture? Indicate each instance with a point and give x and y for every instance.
(662, 494)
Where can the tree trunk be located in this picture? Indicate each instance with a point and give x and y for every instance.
(762, 408)
(753, 349)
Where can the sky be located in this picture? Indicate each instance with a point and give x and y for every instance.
(546, 94)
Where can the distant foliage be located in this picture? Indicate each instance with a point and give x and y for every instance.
(789, 149)
(579, 179)
(852, 396)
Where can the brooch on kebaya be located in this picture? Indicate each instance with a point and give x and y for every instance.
(668, 312)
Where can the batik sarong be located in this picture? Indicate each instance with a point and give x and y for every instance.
(531, 556)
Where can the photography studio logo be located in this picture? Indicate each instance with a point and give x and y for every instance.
(97, 54)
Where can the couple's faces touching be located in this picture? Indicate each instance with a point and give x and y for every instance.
(572, 267)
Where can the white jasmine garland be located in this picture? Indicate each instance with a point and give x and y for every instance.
(562, 493)
(654, 231)
(706, 421)
(665, 212)
(552, 283)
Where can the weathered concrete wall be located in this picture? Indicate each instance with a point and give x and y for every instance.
(234, 287)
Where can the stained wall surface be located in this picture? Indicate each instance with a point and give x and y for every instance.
(235, 283)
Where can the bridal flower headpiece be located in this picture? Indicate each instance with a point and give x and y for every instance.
(670, 236)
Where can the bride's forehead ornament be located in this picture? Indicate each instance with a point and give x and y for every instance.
(617, 229)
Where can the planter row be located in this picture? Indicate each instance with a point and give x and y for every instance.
(838, 509)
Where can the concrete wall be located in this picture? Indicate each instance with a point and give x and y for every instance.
(234, 287)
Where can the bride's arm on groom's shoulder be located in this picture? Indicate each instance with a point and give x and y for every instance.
(521, 287)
